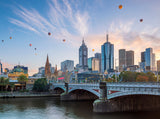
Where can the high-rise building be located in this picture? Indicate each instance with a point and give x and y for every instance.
(67, 65)
(142, 56)
(158, 66)
(153, 62)
(107, 61)
(148, 59)
(90, 63)
(1, 68)
(129, 58)
(83, 56)
(122, 59)
(47, 68)
(98, 56)
(93, 64)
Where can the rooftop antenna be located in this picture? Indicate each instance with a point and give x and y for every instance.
(107, 35)
(83, 40)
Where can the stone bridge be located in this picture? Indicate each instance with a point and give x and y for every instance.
(111, 97)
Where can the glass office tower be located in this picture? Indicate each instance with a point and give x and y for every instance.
(107, 61)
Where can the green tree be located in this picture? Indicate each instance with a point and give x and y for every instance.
(22, 79)
(40, 85)
(12, 87)
(141, 78)
(151, 76)
(4, 83)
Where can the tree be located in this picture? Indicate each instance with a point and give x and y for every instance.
(40, 85)
(12, 87)
(151, 77)
(141, 78)
(4, 83)
(22, 79)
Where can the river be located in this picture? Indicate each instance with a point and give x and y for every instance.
(52, 108)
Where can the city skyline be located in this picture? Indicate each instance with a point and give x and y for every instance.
(29, 23)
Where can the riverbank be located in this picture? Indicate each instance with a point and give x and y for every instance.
(27, 94)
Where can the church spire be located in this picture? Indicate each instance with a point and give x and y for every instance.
(47, 67)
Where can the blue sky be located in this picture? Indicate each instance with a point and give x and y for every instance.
(29, 21)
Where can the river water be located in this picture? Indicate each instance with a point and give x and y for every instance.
(52, 108)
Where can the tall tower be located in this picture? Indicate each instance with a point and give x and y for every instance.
(122, 59)
(107, 61)
(47, 68)
(1, 69)
(83, 56)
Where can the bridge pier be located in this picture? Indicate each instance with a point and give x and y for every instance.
(102, 104)
(65, 96)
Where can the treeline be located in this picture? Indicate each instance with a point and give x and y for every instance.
(128, 76)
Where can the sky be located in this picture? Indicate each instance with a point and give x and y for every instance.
(29, 21)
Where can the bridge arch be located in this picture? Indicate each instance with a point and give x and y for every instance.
(58, 90)
(120, 94)
(135, 102)
(86, 89)
(82, 94)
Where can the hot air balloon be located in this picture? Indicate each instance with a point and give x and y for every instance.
(49, 33)
(120, 6)
(141, 20)
(93, 50)
(2, 40)
(35, 48)
(30, 44)
(35, 53)
(64, 40)
(10, 37)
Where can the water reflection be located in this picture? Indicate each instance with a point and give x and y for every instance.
(52, 108)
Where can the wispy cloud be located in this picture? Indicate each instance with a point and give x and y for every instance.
(61, 17)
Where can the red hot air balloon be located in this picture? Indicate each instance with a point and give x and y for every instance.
(10, 37)
(30, 44)
(141, 20)
(120, 6)
(49, 33)
(64, 40)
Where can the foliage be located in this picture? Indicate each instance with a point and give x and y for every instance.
(141, 78)
(25, 90)
(40, 85)
(4, 81)
(128, 76)
(22, 78)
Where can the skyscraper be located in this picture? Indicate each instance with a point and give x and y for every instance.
(90, 63)
(83, 56)
(47, 68)
(142, 56)
(122, 59)
(98, 56)
(153, 62)
(107, 61)
(1, 68)
(129, 58)
(93, 64)
(68, 64)
(158, 66)
(148, 59)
